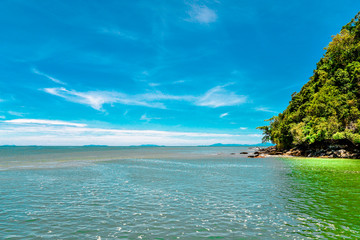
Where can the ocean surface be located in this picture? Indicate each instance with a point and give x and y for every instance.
(174, 193)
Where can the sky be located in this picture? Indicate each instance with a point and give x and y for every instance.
(156, 71)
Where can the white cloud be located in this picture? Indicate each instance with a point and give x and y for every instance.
(220, 97)
(55, 132)
(202, 14)
(44, 122)
(264, 109)
(93, 99)
(119, 33)
(154, 84)
(144, 117)
(215, 97)
(96, 99)
(255, 135)
(18, 114)
(224, 115)
(243, 128)
(159, 96)
(178, 81)
(34, 70)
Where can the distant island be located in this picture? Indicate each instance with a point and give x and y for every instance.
(92, 145)
(266, 144)
(323, 119)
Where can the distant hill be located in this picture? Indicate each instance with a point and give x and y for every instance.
(239, 145)
(95, 145)
(327, 109)
(147, 145)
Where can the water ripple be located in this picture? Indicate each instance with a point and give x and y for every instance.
(144, 198)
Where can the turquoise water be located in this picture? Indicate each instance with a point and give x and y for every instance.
(174, 193)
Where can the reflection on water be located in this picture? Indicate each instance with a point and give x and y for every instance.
(170, 193)
(326, 194)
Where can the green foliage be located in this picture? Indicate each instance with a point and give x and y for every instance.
(328, 106)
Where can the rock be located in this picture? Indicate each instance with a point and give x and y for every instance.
(232, 153)
(271, 150)
(317, 153)
(244, 153)
(342, 153)
(293, 152)
(337, 146)
(256, 156)
(296, 153)
(333, 149)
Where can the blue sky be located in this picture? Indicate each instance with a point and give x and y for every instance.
(155, 72)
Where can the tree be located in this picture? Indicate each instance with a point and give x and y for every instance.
(327, 107)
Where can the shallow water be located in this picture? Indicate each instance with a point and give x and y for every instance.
(170, 193)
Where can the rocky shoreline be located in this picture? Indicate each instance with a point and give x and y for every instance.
(330, 149)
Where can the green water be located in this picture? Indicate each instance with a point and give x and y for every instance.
(174, 193)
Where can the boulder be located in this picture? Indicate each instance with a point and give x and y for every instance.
(255, 155)
(342, 153)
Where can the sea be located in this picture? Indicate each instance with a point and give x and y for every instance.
(99, 193)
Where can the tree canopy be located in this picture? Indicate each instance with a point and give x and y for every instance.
(328, 106)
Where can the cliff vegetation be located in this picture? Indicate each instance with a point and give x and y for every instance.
(327, 109)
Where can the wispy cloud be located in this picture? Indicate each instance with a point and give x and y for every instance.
(178, 81)
(242, 128)
(255, 135)
(96, 99)
(159, 96)
(144, 117)
(93, 99)
(202, 14)
(215, 97)
(56, 132)
(18, 114)
(220, 97)
(44, 122)
(34, 70)
(264, 109)
(224, 115)
(119, 33)
(154, 84)
(2, 117)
